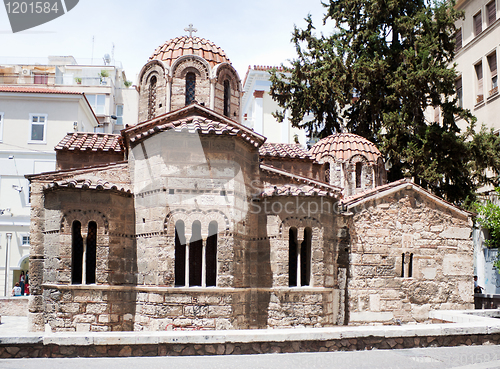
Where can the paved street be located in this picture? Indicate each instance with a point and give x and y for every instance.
(470, 357)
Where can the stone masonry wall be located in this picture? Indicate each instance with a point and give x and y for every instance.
(436, 272)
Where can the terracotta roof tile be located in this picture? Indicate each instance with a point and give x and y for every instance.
(88, 184)
(343, 146)
(37, 90)
(185, 45)
(288, 151)
(81, 141)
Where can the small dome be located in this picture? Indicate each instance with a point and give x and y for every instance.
(343, 146)
(185, 45)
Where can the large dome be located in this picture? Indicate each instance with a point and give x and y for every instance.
(343, 146)
(185, 45)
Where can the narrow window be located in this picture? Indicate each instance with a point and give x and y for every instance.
(38, 128)
(410, 266)
(292, 257)
(227, 98)
(478, 26)
(458, 39)
(402, 265)
(195, 255)
(359, 167)
(328, 172)
(492, 12)
(190, 87)
(152, 98)
(305, 258)
(119, 115)
(91, 253)
(211, 255)
(458, 88)
(76, 253)
(479, 82)
(492, 63)
(180, 254)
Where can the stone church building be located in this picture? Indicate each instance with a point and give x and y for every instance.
(190, 220)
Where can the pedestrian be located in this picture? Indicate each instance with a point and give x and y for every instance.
(16, 291)
(21, 282)
(477, 288)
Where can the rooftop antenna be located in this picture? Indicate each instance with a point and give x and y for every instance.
(113, 53)
(92, 59)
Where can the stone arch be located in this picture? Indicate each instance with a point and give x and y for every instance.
(204, 216)
(180, 68)
(84, 217)
(158, 70)
(225, 73)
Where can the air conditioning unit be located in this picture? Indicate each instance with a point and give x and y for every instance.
(26, 72)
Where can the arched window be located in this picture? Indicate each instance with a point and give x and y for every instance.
(152, 98)
(195, 255)
(91, 253)
(359, 167)
(76, 253)
(190, 87)
(180, 254)
(211, 255)
(227, 98)
(83, 254)
(328, 172)
(299, 262)
(305, 258)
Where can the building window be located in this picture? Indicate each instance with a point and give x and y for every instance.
(227, 98)
(478, 25)
(196, 261)
(359, 168)
(38, 127)
(180, 254)
(328, 172)
(1, 127)
(491, 10)
(458, 39)
(479, 83)
(299, 258)
(41, 79)
(406, 267)
(98, 103)
(152, 98)
(458, 89)
(83, 254)
(436, 114)
(190, 88)
(25, 240)
(492, 64)
(119, 115)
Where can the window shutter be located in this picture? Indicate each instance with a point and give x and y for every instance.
(492, 61)
(478, 27)
(458, 84)
(458, 39)
(492, 12)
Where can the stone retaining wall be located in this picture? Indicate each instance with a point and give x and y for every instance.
(189, 349)
(14, 306)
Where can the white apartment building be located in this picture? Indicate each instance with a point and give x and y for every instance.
(32, 121)
(103, 81)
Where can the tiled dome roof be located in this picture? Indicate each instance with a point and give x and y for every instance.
(343, 146)
(185, 45)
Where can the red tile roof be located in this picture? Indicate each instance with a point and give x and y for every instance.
(343, 146)
(193, 118)
(288, 151)
(90, 184)
(185, 45)
(295, 190)
(307, 184)
(81, 141)
(38, 90)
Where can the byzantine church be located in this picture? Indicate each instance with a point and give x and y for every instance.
(191, 220)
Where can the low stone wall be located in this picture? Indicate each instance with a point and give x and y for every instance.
(52, 350)
(14, 306)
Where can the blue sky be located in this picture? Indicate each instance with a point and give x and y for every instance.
(253, 32)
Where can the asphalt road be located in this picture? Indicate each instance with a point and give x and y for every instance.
(463, 357)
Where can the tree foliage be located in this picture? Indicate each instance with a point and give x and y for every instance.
(383, 66)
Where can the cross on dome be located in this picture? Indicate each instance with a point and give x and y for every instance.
(190, 29)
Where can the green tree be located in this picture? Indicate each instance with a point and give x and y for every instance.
(385, 63)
